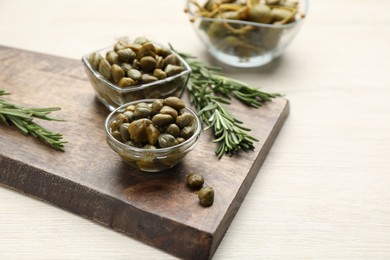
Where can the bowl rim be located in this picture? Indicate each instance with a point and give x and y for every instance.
(281, 26)
(97, 75)
(157, 151)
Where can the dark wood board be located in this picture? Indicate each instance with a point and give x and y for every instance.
(90, 180)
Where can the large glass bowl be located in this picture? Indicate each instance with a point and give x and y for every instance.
(113, 96)
(151, 160)
(243, 43)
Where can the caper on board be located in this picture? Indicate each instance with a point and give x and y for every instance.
(195, 181)
(206, 196)
(134, 63)
(153, 126)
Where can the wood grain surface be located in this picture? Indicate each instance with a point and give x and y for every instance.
(323, 191)
(91, 180)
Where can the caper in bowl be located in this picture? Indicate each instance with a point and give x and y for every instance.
(137, 69)
(153, 135)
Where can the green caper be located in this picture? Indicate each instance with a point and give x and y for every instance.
(206, 196)
(123, 129)
(162, 120)
(137, 130)
(112, 57)
(195, 181)
(171, 59)
(152, 134)
(105, 69)
(187, 132)
(166, 140)
(159, 73)
(174, 102)
(130, 108)
(279, 14)
(141, 112)
(180, 140)
(135, 47)
(148, 63)
(171, 70)
(117, 135)
(121, 44)
(94, 60)
(149, 46)
(149, 146)
(120, 119)
(146, 78)
(169, 111)
(130, 115)
(159, 62)
(173, 129)
(126, 82)
(114, 126)
(185, 119)
(145, 52)
(126, 67)
(260, 13)
(133, 143)
(134, 74)
(117, 72)
(140, 40)
(156, 106)
(126, 55)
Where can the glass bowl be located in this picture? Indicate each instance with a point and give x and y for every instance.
(242, 43)
(112, 96)
(151, 160)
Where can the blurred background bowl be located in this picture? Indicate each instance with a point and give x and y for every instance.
(241, 43)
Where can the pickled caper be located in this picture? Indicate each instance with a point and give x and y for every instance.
(124, 130)
(148, 63)
(105, 69)
(117, 72)
(174, 102)
(156, 106)
(195, 181)
(173, 129)
(126, 82)
(166, 140)
(206, 196)
(169, 111)
(185, 119)
(137, 130)
(162, 119)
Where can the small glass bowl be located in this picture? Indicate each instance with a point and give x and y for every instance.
(241, 43)
(113, 96)
(148, 160)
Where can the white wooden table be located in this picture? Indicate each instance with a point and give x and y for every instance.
(324, 189)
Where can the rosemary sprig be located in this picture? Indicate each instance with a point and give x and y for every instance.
(22, 118)
(209, 91)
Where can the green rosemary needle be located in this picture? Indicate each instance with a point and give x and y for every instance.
(22, 118)
(209, 91)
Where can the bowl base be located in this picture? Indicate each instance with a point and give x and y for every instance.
(255, 61)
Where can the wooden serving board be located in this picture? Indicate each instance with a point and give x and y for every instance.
(89, 179)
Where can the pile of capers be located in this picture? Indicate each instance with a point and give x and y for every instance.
(205, 194)
(161, 124)
(132, 63)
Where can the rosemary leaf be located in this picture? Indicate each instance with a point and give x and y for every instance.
(22, 118)
(209, 92)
